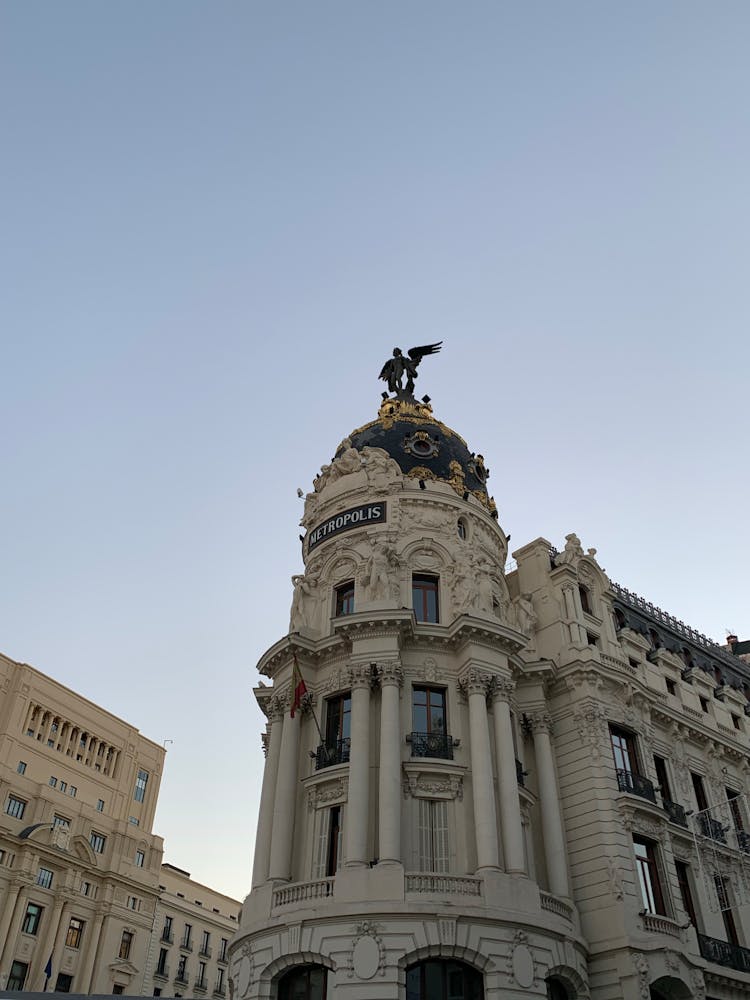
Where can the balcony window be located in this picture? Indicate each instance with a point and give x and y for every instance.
(648, 876)
(335, 750)
(344, 599)
(725, 905)
(433, 835)
(15, 807)
(32, 918)
(686, 894)
(330, 835)
(429, 737)
(126, 942)
(75, 933)
(44, 878)
(306, 983)
(424, 594)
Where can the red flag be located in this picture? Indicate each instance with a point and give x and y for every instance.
(299, 688)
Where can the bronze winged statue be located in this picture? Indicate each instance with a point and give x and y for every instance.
(395, 367)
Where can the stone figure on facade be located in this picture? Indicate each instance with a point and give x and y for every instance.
(525, 615)
(485, 588)
(349, 461)
(379, 467)
(396, 367)
(303, 602)
(572, 552)
(383, 562)
(464, 585)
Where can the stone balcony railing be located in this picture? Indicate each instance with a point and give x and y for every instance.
(300, 892)
(655, 923)
(445, 885)
(552, 904)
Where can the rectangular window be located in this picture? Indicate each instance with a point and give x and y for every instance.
(140, 857)
(53, 782)
(735, 808)
(31, 918)
(428, 710)
(223, 944)
(201, 983)
(73, 791)
(219, 981)
(125, 943)
(133, 903)
(182, 969)
(433, 835)
(660, 766)
(60, 821)
(44, 878)
(64, 983)
(648, 876)
(21, 767)
(85, 888)
(344, 603)
(140, 786)
(424, 598)
(187, 936)
(63, 787)
(15, 807)
(100, 806)
(75, 933)
(700, 793)
(205, 939)
(335, 750)
(623, 750)
(725, 905)
(166, 933)
(683, 880)
(330, 836)
(118, 990)
(17, 977)
(97, 841)
(161, 965)
(134, 821)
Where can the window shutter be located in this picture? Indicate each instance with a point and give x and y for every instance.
(321, 856)
(440, 836)
(425, 837)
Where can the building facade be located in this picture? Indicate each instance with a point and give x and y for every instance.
(83, 893)
(192, 930)
(483, 778)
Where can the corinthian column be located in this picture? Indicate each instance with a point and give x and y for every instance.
(356, 822)
(389, 833)
(282, 836)
(510, 808)
(275, 712)
(476, 684)
(549, 801)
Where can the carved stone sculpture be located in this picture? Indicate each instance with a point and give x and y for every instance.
(572, 552)
(380, 566)
(303, 602)
(525, 615)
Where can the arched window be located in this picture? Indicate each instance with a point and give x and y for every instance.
(305, 982)
(556, 990)
(443, 979)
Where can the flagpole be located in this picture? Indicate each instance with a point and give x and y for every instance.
(312, 710)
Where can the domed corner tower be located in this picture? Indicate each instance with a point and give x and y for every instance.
(399, 853)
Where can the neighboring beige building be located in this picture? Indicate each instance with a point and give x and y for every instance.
(503, 780)
(192, 930)
(81, 874)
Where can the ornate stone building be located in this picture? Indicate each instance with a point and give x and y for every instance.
(81, 878)
(486, 779)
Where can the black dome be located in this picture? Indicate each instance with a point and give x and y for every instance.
(423, 447)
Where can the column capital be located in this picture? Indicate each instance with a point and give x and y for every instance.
(274, 707)
(390, 672)
(539, 722)
(360, 675)
(503, 689)
(475, 681)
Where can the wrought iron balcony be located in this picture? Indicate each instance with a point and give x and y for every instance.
(520, 773)
(201, 985)
(329, 754)
(186, 944)
(711, 827)
(431, 745)
(181, 979)
(161, 971)
(636, 784)
(733, 956)
(205, 951)
(675, 812)
(167, 936)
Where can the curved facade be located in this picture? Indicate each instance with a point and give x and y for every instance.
(487, 779)
(398, 830)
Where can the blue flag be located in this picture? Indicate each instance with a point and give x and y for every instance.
(48, 969)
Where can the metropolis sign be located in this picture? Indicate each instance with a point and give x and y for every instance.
(355, 517)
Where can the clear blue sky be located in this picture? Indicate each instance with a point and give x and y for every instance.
(217, 221)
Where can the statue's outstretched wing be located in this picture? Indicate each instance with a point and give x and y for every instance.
(417, 353)
(387, 369)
